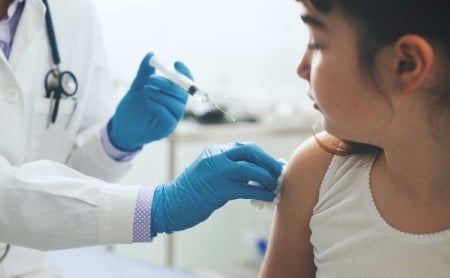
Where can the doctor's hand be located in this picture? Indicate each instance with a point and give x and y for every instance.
(220, 174)
(150, 110)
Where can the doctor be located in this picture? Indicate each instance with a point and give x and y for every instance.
(62, 144)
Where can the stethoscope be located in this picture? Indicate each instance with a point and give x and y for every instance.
(57, 84)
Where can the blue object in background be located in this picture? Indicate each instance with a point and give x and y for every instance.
(261, 246)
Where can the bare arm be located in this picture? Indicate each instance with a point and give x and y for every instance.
(290, 253)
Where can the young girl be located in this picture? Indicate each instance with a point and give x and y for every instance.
(376, 201)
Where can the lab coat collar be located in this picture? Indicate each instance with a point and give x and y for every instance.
(31, 23)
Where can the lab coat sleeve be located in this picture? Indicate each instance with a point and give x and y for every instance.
(47, 206)
(92, 159)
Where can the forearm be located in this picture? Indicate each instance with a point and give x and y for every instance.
(51, 206)
(289, 253)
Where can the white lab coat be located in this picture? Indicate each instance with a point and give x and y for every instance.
(44, 204)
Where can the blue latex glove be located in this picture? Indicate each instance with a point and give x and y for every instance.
(150, 110)
(220, 174)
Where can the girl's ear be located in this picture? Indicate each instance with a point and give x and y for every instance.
(414, 62)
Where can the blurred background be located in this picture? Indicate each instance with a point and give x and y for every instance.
(245, 49)
(245, 53)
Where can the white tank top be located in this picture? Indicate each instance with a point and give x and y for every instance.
(352, 240)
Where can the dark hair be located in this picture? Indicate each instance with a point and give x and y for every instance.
(383, 22)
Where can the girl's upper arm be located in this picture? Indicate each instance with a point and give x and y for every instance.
(290, 253)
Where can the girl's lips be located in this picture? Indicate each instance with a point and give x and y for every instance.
(316, 107)
(311, 98)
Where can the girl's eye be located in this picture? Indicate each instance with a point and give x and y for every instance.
(314, 46)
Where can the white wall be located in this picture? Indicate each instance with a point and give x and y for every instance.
(239, 48)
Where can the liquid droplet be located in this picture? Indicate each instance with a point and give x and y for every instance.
(204, 97)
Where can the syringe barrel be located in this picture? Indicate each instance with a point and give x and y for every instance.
(184, 82)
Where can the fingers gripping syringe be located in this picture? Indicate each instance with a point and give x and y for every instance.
(184, 82)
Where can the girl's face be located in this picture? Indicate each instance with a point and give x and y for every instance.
(351, 106)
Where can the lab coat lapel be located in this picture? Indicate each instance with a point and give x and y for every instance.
(31, 23)
(3, 58)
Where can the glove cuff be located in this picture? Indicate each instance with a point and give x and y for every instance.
(112, 151)
(115, 142)
(158, 222)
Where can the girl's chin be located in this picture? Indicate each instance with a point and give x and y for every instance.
(330, 129)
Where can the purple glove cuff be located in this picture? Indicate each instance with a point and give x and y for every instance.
(112, 151)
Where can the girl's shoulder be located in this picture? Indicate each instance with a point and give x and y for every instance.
(290, 253)
(308, 165)
(303, 177)
(311, 169)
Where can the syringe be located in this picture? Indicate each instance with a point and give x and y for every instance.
(185, 83)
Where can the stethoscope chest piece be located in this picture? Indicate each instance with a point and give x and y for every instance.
(62, 83)
(59, 85)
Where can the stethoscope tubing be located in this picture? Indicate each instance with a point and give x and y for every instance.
(54, 82)
(51, 34)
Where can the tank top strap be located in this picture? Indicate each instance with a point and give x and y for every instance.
(341, 167)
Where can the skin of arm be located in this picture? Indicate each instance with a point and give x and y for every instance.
(290, 253)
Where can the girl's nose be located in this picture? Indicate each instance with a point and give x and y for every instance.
(304, 68)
